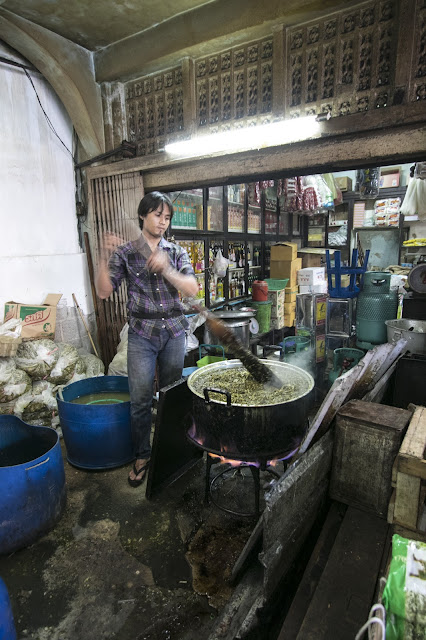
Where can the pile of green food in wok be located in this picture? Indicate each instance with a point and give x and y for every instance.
(243, 387)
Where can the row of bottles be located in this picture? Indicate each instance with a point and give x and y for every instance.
(188, 209)
(195, 250)
(216, 290)
(237, 286)
(237, 255)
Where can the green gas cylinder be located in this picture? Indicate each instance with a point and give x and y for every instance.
(376, 303)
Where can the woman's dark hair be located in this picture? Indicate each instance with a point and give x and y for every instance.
(151, 202)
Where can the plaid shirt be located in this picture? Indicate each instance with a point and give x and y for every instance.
(148, 292)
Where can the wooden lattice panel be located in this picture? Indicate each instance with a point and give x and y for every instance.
(114, 199)
(154, 106)
(343, 63)
(235, 85)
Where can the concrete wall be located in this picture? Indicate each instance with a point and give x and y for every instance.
(40, 248)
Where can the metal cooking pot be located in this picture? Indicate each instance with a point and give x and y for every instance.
(250, 432)
(413, 331)
(237, 320)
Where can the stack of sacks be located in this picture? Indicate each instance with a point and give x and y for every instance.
(30, 380)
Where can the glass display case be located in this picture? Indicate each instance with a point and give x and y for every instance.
(216, 284)
(236, 208)
(188, 209)
(271, 208)
(196, 252)
(237, 256)
(254, 207)
(241, 221)
(215, 208)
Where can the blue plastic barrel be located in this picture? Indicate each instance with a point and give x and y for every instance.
(7, 627)
(96, 436)
(32, 481)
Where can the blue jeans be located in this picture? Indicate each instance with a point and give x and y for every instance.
(142, 355)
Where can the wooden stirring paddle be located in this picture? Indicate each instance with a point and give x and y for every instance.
(260, 372)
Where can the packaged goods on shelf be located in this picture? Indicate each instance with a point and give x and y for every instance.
(344, 183)
(389, 177)
(387, 211)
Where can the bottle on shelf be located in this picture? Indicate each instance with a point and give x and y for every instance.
(200, 294)
(219, 290)
(212, 290)
(232, 287)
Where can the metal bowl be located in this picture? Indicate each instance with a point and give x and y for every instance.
(413, 331)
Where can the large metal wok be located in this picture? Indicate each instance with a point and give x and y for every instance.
(246, 431)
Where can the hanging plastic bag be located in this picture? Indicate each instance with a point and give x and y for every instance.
(220, 265)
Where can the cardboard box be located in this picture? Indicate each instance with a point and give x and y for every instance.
(344, 183)
(313, 256)
(284, 251)
(278, 323)
(314, 288)
(289, 308)
(389, 178)
(38, 321)
(286, 269)
(289, 319)
(311, 276)
(291, 293)
(277, 298)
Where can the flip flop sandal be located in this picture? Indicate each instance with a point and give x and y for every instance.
(136, 482)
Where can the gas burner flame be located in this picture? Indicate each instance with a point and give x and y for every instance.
(233, 462)
(192, 433)
(275, 461)
(253, 463)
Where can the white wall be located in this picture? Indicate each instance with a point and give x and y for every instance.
(40, 253)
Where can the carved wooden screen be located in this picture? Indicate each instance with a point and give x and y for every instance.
(343, 63)
(235, 85)
(113, 201)
(154, 109)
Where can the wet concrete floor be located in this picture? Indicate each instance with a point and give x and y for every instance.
(119, 566)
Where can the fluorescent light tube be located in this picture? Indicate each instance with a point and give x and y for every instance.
(255, 137)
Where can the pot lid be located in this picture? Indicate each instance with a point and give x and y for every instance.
(241, 313)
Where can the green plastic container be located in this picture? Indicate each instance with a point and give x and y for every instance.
(274, 284)
(295, 344)
(263, 314)
(210, 359)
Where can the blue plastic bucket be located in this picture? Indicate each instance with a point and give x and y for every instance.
(7, 627)
(96, 436)
(32, 481)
